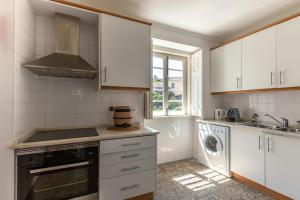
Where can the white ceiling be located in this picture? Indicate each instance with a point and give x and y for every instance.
(219, 19)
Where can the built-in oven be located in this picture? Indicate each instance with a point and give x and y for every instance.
(58, 172)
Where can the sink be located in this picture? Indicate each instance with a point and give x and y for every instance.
(272, 127)
(259, 125)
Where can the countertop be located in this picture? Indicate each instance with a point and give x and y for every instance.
(241, 123)
(103, 134)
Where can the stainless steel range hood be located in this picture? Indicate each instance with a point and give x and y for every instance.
(65, 61)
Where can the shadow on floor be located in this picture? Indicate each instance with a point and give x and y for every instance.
(189, 180)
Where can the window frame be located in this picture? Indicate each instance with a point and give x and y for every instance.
(166, 56)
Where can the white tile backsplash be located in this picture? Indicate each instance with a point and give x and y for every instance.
(279, 104)
(52, 102)
(6, 98)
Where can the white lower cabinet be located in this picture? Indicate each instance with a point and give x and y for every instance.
(128, 186)
(109, 171)
(247, 153)
(127, 167)
(268, 159)
(283, 165)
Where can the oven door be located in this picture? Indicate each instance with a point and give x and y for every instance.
(69, 181)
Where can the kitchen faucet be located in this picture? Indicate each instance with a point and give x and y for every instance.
(284, 123)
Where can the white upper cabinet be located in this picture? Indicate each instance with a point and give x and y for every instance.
(288, 56)
(125, 52)
(247, 153)
(226, 68)
(282, 165)
(259, 60)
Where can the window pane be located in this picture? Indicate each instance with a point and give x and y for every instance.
(175, 95)
(158, 62)
(175, 107)
(158, 86)
(175, 81)
(175, 74)
(175, 87)
(175, 64)
(158, 73)
(158, 102)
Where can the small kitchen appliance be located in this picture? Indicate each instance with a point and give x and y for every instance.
(220, 114)
(233, 115)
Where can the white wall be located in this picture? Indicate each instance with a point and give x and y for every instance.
(175, 138)
(6, 98)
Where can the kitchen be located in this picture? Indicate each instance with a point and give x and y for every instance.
(89, 113)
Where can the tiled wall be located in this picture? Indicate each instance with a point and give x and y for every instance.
(28, 88)
(49, 102)
(6, 98)
(279, 104)
(75, 102)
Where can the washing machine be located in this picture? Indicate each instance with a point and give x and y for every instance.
(213, 147)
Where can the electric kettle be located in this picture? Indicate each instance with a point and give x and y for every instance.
(220, 114)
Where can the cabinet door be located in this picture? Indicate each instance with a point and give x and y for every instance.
(288, 56)
(125, 52)
(259, 60)
(226, 68)
(247, 153)
(282, 165)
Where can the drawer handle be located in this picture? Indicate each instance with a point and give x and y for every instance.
(130, 187)
(130, 156)
(131, 144)
(130, 168)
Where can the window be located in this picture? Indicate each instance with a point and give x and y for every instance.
(169, 84)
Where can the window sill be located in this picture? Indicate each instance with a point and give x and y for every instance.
(172, 116)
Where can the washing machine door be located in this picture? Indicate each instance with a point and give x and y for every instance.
(213, 145)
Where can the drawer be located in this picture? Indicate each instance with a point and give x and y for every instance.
(128, 186)
(110, 171)
(125, 144)
(127, 156)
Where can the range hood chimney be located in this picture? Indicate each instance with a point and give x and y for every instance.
(65, 61)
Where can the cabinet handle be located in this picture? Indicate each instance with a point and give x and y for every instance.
(130, 156)
(259, 142)
(280, 77)
(269, 144)
(237, 82)
(130, 187)
(130, 168)
(105, 74)
(131, 144)
(271, 78)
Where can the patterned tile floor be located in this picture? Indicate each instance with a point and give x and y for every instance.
(188, 180)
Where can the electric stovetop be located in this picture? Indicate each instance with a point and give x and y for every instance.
(62, 134)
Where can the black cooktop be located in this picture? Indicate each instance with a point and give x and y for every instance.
(62, 134)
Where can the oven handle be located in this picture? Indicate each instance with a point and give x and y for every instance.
(48, 169)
